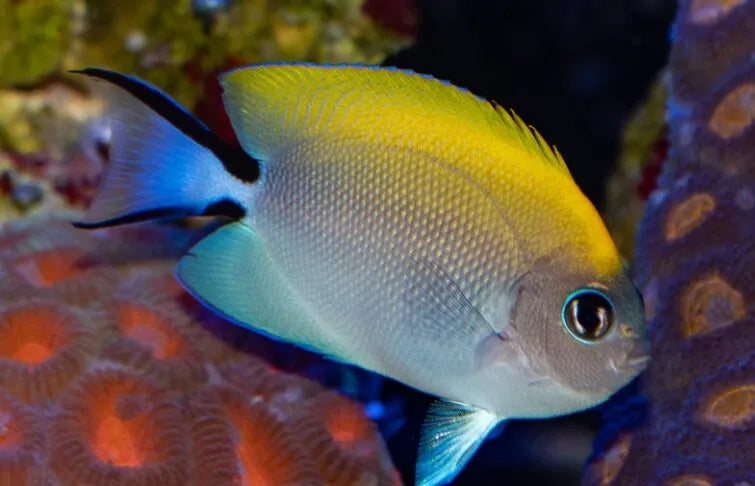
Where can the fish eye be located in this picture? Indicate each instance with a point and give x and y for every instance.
(588, 315)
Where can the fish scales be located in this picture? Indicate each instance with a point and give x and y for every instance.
(348, 222)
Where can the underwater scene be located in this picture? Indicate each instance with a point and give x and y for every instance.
(377, 242)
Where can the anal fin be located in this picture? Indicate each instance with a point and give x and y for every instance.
(451, 434)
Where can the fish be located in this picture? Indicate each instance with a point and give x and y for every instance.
(393, 221)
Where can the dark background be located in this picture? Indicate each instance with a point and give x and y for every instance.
(574, 69)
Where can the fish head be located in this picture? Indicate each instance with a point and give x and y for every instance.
(583, 330)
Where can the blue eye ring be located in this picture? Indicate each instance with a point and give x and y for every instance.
(592, 306)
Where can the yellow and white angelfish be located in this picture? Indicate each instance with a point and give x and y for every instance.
(396, 222)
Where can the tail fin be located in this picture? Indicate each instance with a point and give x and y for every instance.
(163, 161)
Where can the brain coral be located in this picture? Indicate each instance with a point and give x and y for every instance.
(110, 375)
(695, 262)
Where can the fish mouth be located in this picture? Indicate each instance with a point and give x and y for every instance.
(636, 361)
(638, 356)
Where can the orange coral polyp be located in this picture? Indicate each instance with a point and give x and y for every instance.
(252, 472)
(735, 113)
(256, 444)
(347, 424)
(32, 353)
(119, 435)
(115, 444)
(688, 215)
(119, 428)
(121, 423)
(32, 335)
(239, 441)
(142, 324)
(49, 267)
(45, 346)
(154, 336)
(345, 447)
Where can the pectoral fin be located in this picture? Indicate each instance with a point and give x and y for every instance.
(451, 434)
(231, 272)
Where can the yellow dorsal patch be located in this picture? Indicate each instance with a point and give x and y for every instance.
(271, 105)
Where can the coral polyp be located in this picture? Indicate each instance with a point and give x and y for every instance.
(735, 112)
(118, 428)
(21, 444)
(152, 334)
(55, 264)
(709, 303)
(142, 324)
(344, 421)
(45, 346)
(342, 441)
(688, 214)
(47, 268)
(605, 470)
(239, 441)
(732, 407)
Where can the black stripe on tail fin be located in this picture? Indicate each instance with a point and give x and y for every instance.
(136, 217)
(225, 207)
(235, 160)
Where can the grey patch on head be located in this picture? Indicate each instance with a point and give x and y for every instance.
(745, 199)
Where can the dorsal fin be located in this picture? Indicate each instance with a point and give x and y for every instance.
(530, 138)
(272, 105)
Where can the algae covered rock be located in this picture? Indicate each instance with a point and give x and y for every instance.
(34, 36)
(52, 145)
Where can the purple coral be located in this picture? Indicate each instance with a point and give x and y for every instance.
(696, 264)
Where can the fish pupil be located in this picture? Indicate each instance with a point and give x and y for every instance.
(589, 318)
